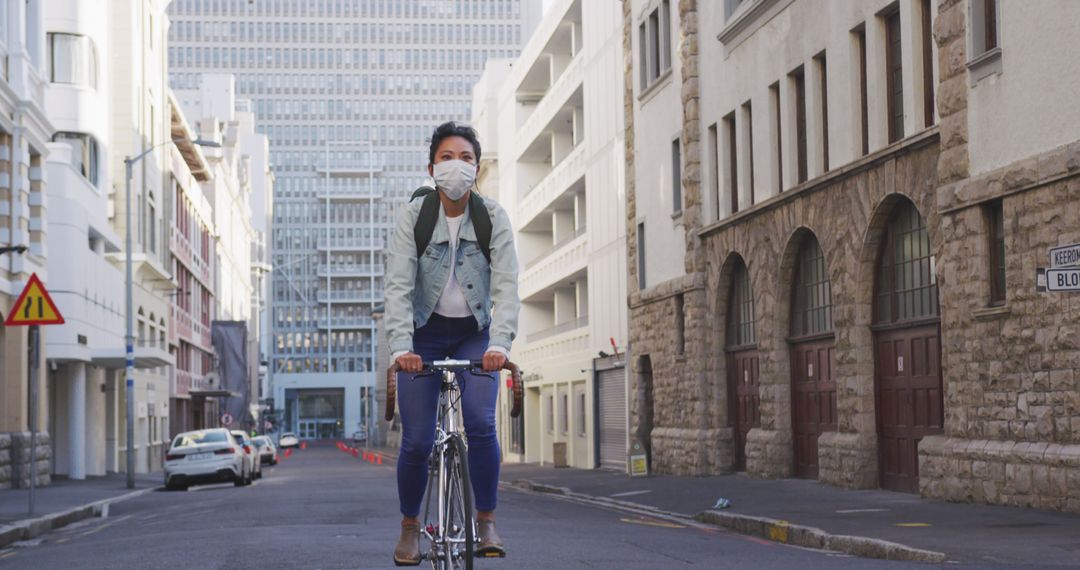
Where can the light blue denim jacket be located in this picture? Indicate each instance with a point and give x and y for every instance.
(413, 289)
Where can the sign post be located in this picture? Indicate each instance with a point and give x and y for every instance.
(33, 308)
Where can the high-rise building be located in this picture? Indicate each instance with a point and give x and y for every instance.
(348, 92)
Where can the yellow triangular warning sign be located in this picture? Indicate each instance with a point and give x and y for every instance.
(34, 307)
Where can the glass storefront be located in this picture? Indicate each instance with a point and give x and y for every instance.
(316, 414)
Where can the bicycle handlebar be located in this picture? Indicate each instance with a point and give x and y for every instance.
(516, 387)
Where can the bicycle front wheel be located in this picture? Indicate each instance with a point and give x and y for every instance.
(459, 502)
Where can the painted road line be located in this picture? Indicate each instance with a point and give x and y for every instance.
(106, 525)
(630, 493)
(913, 525)
(852, 511)
(652, 522)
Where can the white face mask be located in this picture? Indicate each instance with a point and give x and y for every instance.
(454, 177)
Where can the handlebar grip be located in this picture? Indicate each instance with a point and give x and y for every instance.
(391, 390)
(516, 388)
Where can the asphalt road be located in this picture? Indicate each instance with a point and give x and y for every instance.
(325, 509)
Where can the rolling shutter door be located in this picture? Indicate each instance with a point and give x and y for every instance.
(613, 418)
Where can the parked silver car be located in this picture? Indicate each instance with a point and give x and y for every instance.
(205, 456)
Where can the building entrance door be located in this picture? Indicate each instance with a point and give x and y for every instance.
(307, 429)
(907, 349)
(742, 363)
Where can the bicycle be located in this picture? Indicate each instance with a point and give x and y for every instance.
(451, 534)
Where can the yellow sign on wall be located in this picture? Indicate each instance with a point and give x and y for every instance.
(34, 306)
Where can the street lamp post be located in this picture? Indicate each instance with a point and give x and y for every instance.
(129, 286)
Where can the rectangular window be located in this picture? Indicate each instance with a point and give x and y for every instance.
(864, 104)
(995, 219)
(564, 417)
(581, 414)
(774, 95)
(731, 163)
(643, 56)
(748, 149)
(550, 414)
(894, 77)
(641, 256)
(654, 46)
(990, 35)
(676, 177)
(798, 81)
(680, 325)
(928, 62)
(823, 95)
(665, 35)
(714, 167)
(72, 59)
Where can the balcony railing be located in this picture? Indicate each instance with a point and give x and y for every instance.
(577, 323)
(354, 270)
(343, 323)
(356, 296)
(556, 247)
(354, 243)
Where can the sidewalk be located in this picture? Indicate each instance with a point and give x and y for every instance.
(962, 532)
(65, 501)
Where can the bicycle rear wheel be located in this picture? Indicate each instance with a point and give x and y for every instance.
(459, 501)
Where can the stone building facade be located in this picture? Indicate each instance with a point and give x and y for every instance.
(858, 301)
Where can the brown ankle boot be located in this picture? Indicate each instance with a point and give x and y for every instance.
(488, 543)
(407, 552)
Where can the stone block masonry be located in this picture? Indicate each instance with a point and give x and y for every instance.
(15, 457)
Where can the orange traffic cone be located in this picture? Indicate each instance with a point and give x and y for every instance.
(378, 461)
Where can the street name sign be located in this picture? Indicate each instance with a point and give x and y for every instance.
(34, 306)
(1065, 256)
(1064, 279)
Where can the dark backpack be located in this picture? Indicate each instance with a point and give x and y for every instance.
(429, 215)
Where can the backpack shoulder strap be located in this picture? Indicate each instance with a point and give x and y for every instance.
(481, 221)
(425, 221)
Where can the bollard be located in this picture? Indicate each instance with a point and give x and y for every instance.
(303, 445)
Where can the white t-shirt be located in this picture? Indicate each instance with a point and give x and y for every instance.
(452, 302)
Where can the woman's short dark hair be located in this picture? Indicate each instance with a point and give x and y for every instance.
(452, 129)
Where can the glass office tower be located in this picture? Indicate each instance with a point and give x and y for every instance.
(348, 92)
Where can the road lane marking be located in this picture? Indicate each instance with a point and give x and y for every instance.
(650, 522)
(630, 493)
(851, 511)
(913, 525)
(106, 525)
(6, 554)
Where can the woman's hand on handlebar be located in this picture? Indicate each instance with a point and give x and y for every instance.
(410, 362)
(494, 361)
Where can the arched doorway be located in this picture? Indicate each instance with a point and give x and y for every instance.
(742, 361)
(813, 353)
(907, 348)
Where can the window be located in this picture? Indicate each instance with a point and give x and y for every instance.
(907, 275)
(714, 167)
(823, 95)
(680, 325)
(798, 81)
(676, 177)
(741, 322)
(774, 96)
(995, 221)
(894, 77)
(748, 149)
(581, 413)
(72, 60)
(84, 153)
(928, 62)
(730, 6)
(985, 28)
(550, 413)
(812, 309)
(864, 113)
(654, 45)
(641, 256)
(564, 416)
(731, 178)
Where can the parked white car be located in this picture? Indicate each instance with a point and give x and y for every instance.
(205, 456)
(251, 454)
(288, 439)
(267, 451)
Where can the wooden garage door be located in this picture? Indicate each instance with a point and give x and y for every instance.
(907, 349)
(612, 421)
(742, 363)
(813, 386)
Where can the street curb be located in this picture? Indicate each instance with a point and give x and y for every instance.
(27, 529)
(763, 527)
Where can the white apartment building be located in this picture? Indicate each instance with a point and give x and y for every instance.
(220, 118)
(556, 124)
(24, 134)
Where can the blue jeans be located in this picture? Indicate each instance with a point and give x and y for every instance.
(418, 401)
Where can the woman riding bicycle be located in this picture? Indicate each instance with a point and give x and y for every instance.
(439, 304)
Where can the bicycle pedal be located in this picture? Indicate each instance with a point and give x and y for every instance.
(491, 554)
